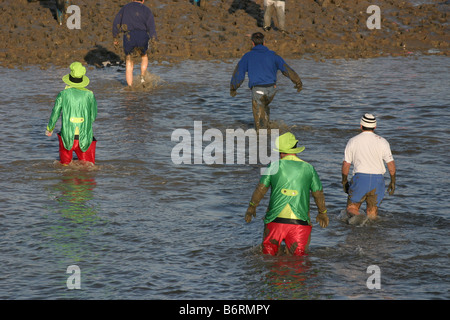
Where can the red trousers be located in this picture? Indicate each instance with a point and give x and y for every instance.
(65, 156)
(296, 238)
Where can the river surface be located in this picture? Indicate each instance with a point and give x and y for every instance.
(139, 226)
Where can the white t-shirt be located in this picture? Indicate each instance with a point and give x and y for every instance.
(367, 151)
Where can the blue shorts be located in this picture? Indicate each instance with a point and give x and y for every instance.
(135, 40)
(367, 187)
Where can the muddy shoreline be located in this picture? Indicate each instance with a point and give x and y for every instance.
(219, 30)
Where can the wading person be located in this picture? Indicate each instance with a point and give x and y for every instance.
(287, 219)
(262, 66)
(137, 23)
(271, 7)
(61, 10)
(366, 152)
(77, 107)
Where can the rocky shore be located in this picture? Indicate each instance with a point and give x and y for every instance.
(220, 29)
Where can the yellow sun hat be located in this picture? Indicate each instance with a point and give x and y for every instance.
(76, 78)
(287, 143)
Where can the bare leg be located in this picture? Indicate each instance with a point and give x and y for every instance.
(372, 212)
(353, 209)
(144, 64)
(129, 70)
(372, 209)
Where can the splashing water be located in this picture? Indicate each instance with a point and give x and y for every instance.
(146, 83)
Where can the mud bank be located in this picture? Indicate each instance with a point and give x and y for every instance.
(220, 29)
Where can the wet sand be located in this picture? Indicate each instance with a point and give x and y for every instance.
(220, 30)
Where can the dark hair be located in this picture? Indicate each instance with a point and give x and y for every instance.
(366, 129)
(258, 38)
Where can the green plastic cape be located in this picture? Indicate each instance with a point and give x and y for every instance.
(290, 184)
(77, 108)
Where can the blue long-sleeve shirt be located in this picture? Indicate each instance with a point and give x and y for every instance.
(134, 16)
(262, 66)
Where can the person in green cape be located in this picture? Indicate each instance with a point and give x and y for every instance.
(287, 218)
(77, 108)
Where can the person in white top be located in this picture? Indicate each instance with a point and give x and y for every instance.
(367, 152)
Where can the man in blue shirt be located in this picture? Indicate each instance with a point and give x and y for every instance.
(262, 66)
(138, 24)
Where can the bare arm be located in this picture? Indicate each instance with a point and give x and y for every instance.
(392, 171)
(295, 78)
(257, 196)
(322, 217)
(345, 171)
(391, 168)
(345, 168)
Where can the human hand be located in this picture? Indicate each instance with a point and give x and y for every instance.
(233, 92)
(345, 184)
(299, 86)
(391, 187)
(322, 219)
(48, 133)
(251, 212)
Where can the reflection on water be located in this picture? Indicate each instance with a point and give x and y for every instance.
(72, 196)
(289, 278)
(71, 219)
(141, 227)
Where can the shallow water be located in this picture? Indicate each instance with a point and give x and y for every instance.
(140, 227)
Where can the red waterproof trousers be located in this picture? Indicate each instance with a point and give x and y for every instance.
(296, 238)
(65, 156)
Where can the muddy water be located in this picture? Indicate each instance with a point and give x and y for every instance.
(140, 227)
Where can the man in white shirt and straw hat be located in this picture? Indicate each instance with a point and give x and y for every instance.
(368, 152)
